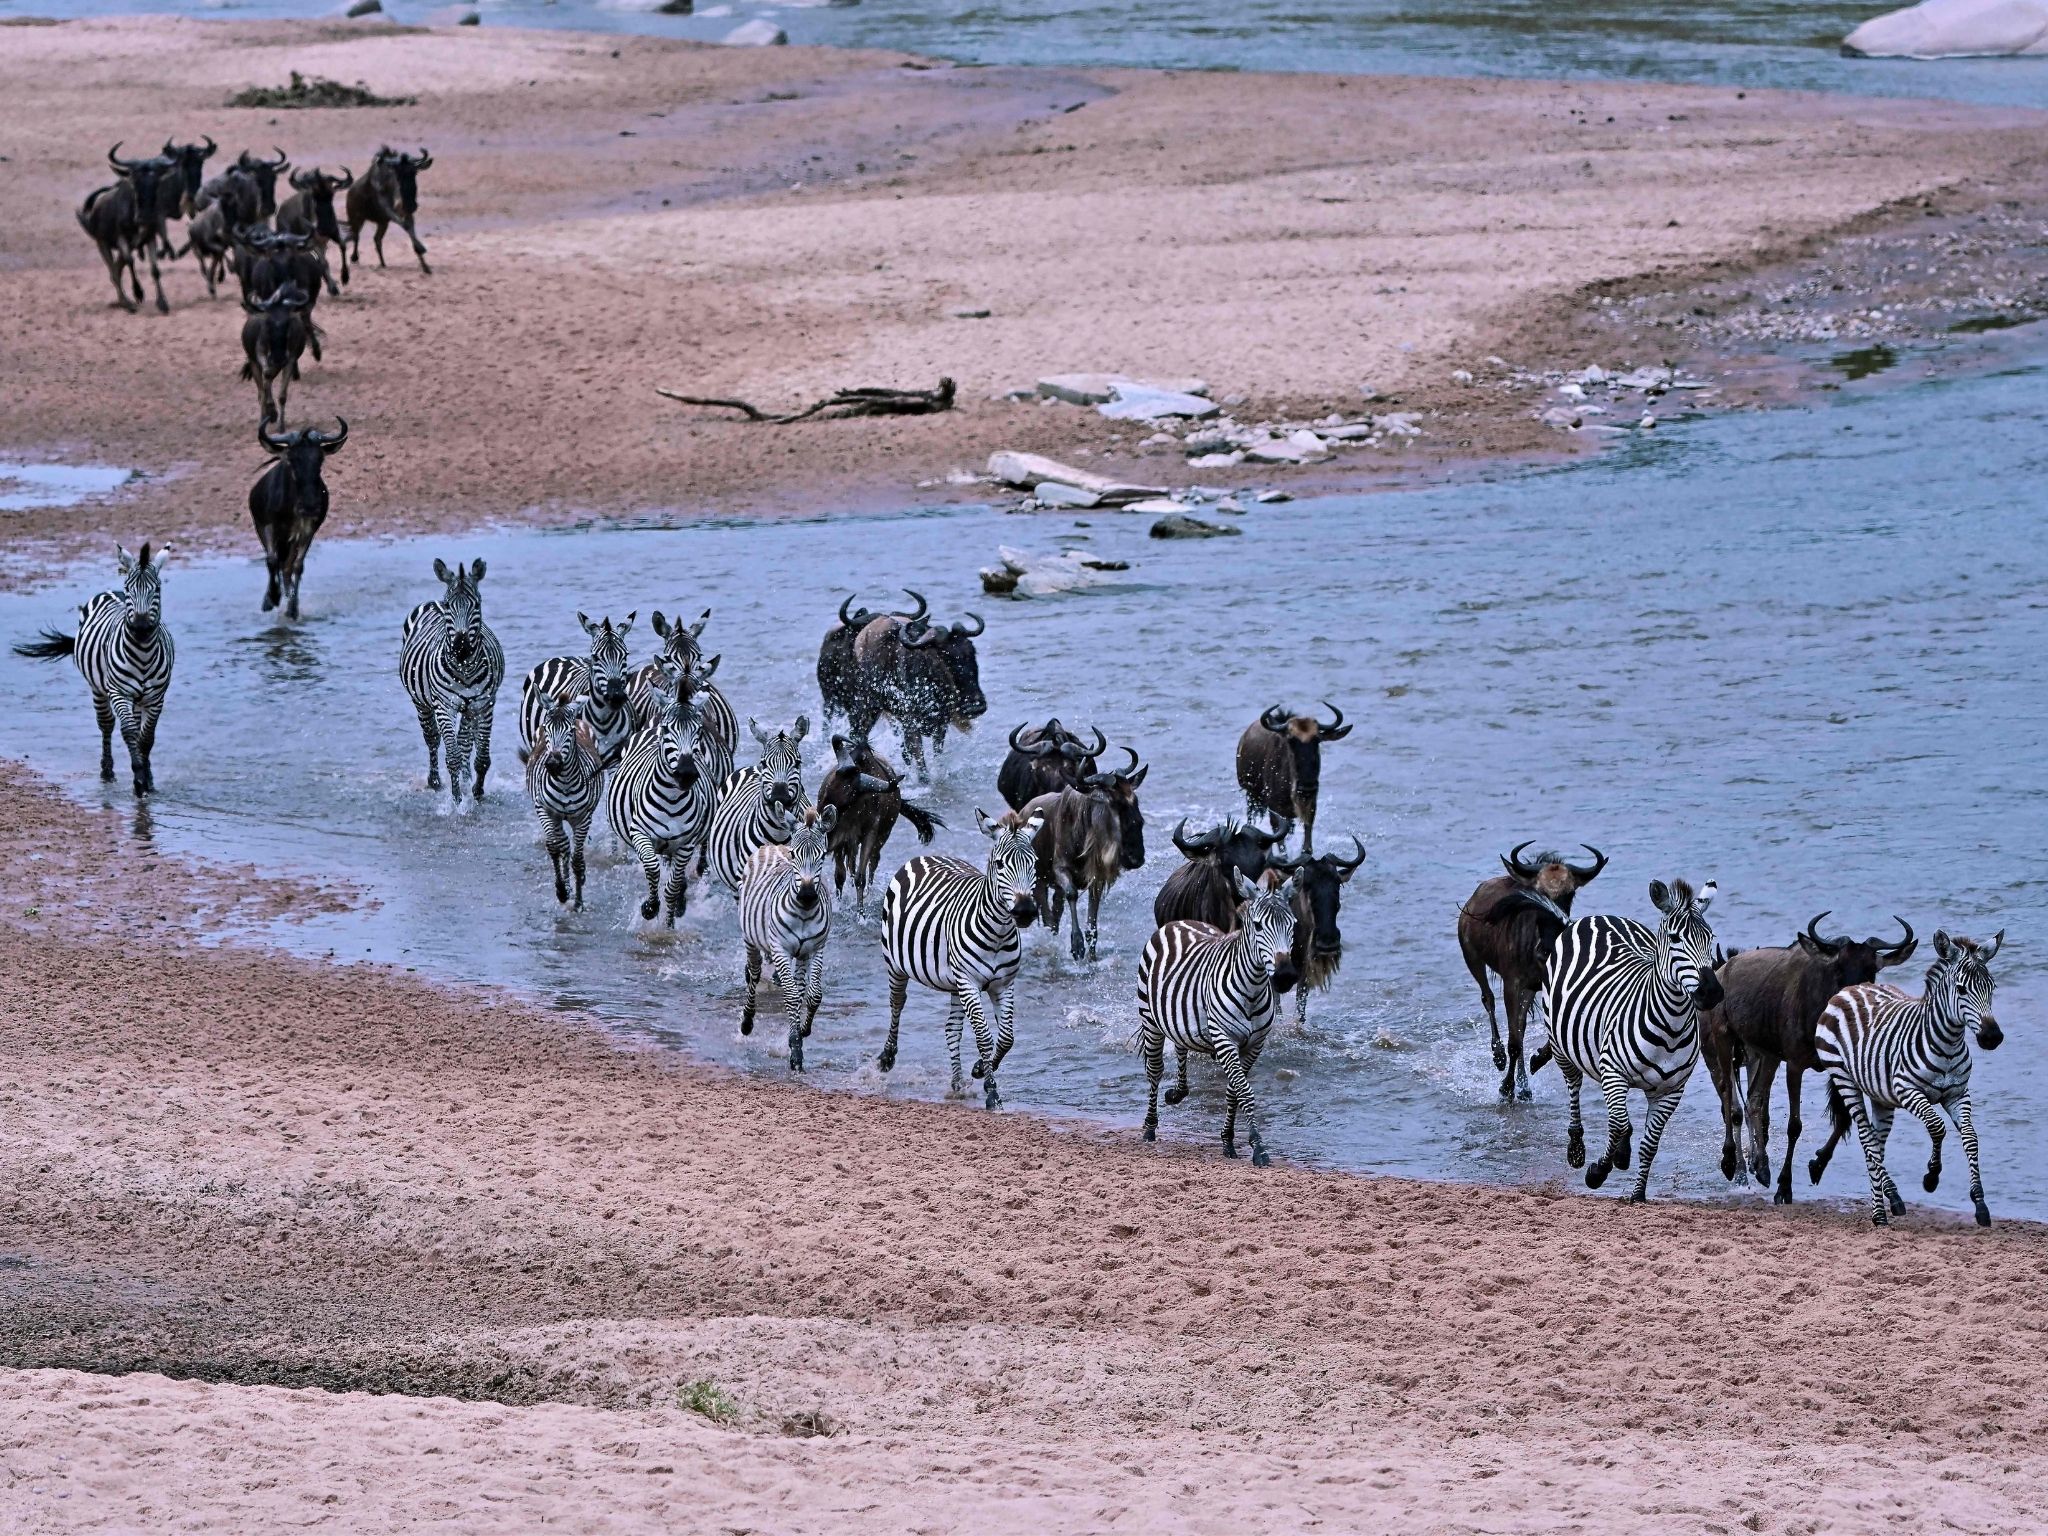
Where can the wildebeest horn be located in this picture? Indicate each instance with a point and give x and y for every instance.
(918, 597)
(1813, 933)
(274, 444)
(1584, 873)
(1274, 719)
(848, 603)
(114, 158)
(1101, 743)
(1336, 730)
(170, 148)
(1516, 865)
(965, 633)
(300, 179)
(347, 179)
(423, 160)
(281, 161)
(917, 635)
(210, 145)
(1195, 847)
(1897, 953)
(1348, 865)
(1043, 747)
(1125, 773)
(329, 441)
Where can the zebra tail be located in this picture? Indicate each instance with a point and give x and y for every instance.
(1838, 1111)
(923, 820)
(48, 648)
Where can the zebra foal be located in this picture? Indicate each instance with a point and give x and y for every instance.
(760, 804)
(1883, 1051)
(564, 776)
(1623, 1000)
(452, 667)
(123, 651)
(1211, 992)
(785, 919)
(599, 677)
(954, 928)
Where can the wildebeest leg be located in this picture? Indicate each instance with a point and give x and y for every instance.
(1966, 1127)
(342, 251)
(1307, 812)
(1719, 1048)
(955, 1021)
(899, 986)
(1301, 991)
(1152, 1047)
(104, 713)
(379, 237)
(1575, 1135)
(1179, 1090)
(677, 894)
(913, 748)
(1478, 969)
(327, 273)
(1094, 918)
(1662, 1106)
(112, 258)
(297, 575)
(419, 248)
(976, 1004)
(1619, 1132)
(430, 728)
(1793, 1073)
(1513, 1065)
(1761, 1068)
(284, 388)
(156, 278)
(650, 866)
(264, 395)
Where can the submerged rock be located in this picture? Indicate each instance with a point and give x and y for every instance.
(758, 33)
(1954, 29)
(1180, 526)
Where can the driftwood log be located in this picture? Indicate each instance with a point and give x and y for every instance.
(839, 405)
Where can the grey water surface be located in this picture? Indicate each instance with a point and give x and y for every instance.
(1803, 653)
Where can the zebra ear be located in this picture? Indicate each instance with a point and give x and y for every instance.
(440, 569)
(697, 628)
(163, 553)
(988, 828)
(660, 624)
(1660, 895)
(584, 619)
(1245, 889)
(1705, 899)
(803, 726)
(127, 560)
(1944, 946)
(476, 570)
(623, 630)
(1030, 828)
(759, 735)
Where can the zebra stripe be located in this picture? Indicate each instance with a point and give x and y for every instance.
(1212, 992)
(1623, 1002)
(1883, 1051)
(124, 652)
(953, 928)
(659, 803)
(785, 918)
(760, 804)
(452, 667)
(564, 776)
(599, 678)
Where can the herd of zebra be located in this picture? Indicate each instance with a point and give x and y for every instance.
(1630, 1005)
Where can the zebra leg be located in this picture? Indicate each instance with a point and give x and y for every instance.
(899, 987)
(650, 866)
(483, 712)
(1179, 1090)
(456, 732)
(676, 895)
(555, 838)
(955, 1022)
(1238, 1081)
(1152, 1048)
(976, 1004)
(150, 715)
(131, 737)
(1850, 1098)
(1881, 1127)
(579, 834)
(1575, 1136)
(1661, 1109)
(1006, 1027)
(103, 712)
(430, 729)
(791, 983)
(1914, 1102)
(1793, 1073)
(814, 991)
(1966, 1127)
(753, 974)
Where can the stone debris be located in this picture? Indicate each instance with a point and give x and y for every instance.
(1102, 388)
(1025, 574)
(1181, 526)
(1163, 504)
(1144, 402)
(758, 33)
(1583, 393)
(1954, 29)
(1033, 472)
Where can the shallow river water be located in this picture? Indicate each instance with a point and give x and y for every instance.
(1803, 653)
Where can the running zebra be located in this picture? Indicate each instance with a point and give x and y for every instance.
(785, 918)
(124, 653)
(659, 799)
(680, 648)
(452, 668)
(1212, 992)
(760, 804)
(1624, 1002)
(564, 776)
(600, 678)
(953, 928)
(1883, 1051)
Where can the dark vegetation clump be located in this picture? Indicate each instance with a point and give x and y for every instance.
(315, 92)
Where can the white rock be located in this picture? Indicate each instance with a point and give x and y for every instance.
(1275, 450)
(1461, 376)
(1572, 391)
(1397, 424)
(1954, 29)
(1042, 575)
(1159, 504)
(1267, 498)
(1311, 445)
(1350, 432)
(1101, 388)
(1031, 471)
(758, 33)
(1145, 402)
(1216, 460)
(1053, 493)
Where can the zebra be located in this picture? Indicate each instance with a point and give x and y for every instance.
(1212, 992)
(720, 734)
(659, 799)
(1623, 1002)
(452, 668)
(564, 777)
(785, 918)
(954, 928)
(760, 804)
(599, 677)
(124, 653)
(1883, 1051)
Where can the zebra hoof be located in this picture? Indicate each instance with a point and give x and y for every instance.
(885, 1062)
(1931, 1181)
(1151, 1130)
(1259, 1158)
(106, 773)
(650, 908)
(1575, 1153)
(1879, 1219)
(990, 1099)
(561, 895)
(746, 1023)
(1597, 1175)
(1983, 1212)
(1175, 1095)
(980, 1068)
(1897, 1203)
(1524, 1094)
(796, 1059)
(1229, 1147)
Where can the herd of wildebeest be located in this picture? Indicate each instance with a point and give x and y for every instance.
(1240, 923)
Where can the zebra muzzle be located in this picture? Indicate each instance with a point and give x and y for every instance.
(1989, 1036)
(1024, 910)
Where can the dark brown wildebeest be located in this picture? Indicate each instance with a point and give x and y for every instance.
(262, 175)
(1204, 889)
(309, 211)
(266, 261)
(924, 676)
(125, 220)
(178, 191)
(1507, 926)
(1771, 1001)
(1043, 760)
(838, 675)
(289, 503)
(1088, 836)
(1280, 767)
(867, 794)
(1318, 942)
(389, 194)
(273, 339)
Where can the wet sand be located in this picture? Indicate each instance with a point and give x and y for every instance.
(606, 215)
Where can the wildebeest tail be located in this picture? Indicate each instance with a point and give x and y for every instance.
(922, 820)
(48, 647)
(1542, 1058)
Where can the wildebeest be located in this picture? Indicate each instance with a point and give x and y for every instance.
(389, 194)
(1772, 999)
(125, 220)
(1204, 889)
(838, 676)
(262, 176)
(1507, 926)
(289, 503)
(266, 261)
(1043, 760)
(178, 191)
(309, 211)
(866, 794)
(273, 338)
(924, 676)
(1280, 767)
(1087, 837)
(1318, 880)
